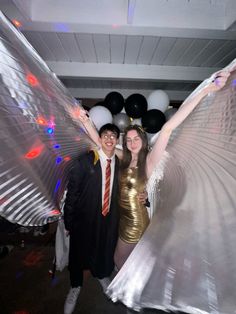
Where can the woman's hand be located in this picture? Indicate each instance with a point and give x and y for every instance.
(83, 115)
(80, 114)
(219, 80)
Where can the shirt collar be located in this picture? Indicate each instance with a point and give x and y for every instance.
(103, 156)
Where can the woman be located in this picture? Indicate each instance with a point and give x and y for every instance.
(138, 164)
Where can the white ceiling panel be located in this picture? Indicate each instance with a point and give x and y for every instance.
(39, 44)
(69, 43)
(102, 47)
(118, 45)
(147, 49)
(207, 52)
(133, 45)
(179, 48)
(220, 53)
(196, 47)
(86, 46)
(163, 49)
(229, 56)
(53, 42)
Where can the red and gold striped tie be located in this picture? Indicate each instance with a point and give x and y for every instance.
(106, 197)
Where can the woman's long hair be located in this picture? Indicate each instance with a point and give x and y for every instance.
(142, 155)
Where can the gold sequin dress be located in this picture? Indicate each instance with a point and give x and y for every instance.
(133, 215)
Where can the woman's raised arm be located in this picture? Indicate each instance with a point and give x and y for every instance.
(216, 83)
(83, 117)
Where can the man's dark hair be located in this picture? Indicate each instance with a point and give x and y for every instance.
(109, 127)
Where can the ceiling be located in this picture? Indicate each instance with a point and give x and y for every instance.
(130, 46)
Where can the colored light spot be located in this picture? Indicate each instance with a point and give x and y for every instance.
(61, 27)
(2, 200)
(58, 160)
(50, 130)
(55, 212)
(41, 121)
(67, 158)
(33, 258)
(234, 83)
(17, 23)
(54, 281)
(57, 185)
(56, 146)
(33, 153)
(32, 80)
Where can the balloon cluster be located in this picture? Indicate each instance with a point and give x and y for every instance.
(150, 113)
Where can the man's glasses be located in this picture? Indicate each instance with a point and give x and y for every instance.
(109, 136)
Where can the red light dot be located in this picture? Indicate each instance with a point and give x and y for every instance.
(67, 158)
(33, 81)
(17, 23)
(41, 121)
(55, 212)
(33, 153)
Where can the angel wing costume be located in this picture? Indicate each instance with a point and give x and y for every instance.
(39, 137)
(186, 260)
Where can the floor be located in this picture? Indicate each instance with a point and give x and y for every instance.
(27, 286)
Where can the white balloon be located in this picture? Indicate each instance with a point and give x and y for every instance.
(158, 100)
(136, 121)
(100, 115)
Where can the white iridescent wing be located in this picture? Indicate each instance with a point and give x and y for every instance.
(39, 137)
(186, 259)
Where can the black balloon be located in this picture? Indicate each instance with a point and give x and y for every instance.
(136, 106)
(100, 103)
(153, 120)
(114, 101)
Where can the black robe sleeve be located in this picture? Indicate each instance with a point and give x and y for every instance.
(73, 192)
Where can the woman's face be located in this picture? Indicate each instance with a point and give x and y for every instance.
(134, 142)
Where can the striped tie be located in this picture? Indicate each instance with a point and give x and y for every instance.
(106, 198)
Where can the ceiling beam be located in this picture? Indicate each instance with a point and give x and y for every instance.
(130, 71)
(128, 30)
(100, 93)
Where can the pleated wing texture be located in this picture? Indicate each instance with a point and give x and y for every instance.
(39, 136)
(186, 259)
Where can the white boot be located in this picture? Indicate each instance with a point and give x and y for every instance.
(71, 300)
(104, 283)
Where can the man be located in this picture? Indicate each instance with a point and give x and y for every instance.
(91, 214)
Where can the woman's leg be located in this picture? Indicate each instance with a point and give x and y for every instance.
(122, 252)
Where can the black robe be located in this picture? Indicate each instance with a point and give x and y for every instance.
(93, 237)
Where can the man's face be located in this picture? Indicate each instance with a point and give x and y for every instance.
(108, 142)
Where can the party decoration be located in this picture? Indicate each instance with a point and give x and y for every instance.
(39, 133)
(114, 101)
(169, 113)
(121, 120)
(158, 100)
(136, 105)
(152, 138)
(153, 120)
(100, 116)
(136, 121)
